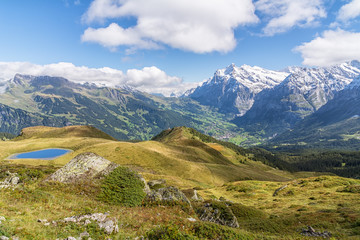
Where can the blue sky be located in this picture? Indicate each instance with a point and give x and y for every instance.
(160, 45)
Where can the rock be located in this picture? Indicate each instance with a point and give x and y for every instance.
(14, 180)
(216, 212)
(84, 166)
(4, 238)
(193, 195)
(167, 194)
(310, 232)
(146, 186)
(43, 221)
(11, 181)
(279, 189)
(109, 225)
(70, 238)
(152, 183)
(84, 234)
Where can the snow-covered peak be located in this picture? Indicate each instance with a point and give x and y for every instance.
(335, 77)
(251, 77)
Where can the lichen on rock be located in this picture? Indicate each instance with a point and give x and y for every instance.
(83, 167)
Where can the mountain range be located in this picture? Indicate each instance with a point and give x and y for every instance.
(123, 113)
(247, 105)
(301, 94)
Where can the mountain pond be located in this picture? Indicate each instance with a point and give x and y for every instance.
(45, 154)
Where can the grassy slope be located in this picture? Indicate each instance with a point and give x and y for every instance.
(185, 162)
(65, 132)
(322, 202)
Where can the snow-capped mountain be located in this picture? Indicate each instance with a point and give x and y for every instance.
(232, 89)
(302, 93)
(338, 119)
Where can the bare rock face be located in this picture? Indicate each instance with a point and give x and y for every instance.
(83, 166)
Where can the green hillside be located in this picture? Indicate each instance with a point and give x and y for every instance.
(64, 132)
(186, 159)
(122, 113)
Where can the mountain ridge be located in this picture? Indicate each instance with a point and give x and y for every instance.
(301, 94)
(233, 89)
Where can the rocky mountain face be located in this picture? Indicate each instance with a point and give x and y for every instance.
(233, 89)
(301, 94)
(120, 112)
(336, 121)
(12, 120)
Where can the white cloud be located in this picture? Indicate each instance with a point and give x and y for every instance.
(331, 48)
(349, 11)
(199, 26)
(286, 14)
(114, 35)
(148, 79)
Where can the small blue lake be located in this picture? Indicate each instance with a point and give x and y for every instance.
(45, 154)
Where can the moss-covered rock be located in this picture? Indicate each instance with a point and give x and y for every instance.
(216, 212)
(171, 194)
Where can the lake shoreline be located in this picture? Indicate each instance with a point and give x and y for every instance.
(62, 152)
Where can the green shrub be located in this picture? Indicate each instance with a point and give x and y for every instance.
(204, 230)
(167, 233)
(199, 230)
(122, 187)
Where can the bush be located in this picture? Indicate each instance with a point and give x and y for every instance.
(167, 233)
(199, 230)
(122, 187)
(214, 231)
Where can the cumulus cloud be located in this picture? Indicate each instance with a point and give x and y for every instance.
(199, 26)
(349, 11)
(148, 79)
(332, 47)
(286, 14)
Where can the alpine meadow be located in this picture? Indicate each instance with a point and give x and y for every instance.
(171, 120)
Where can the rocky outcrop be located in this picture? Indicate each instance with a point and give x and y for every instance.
(108, 224)
(193, 195)
(216, 212)
(310, 232)
(12, 180)
(154, 184)
(84, 166)
(167, 194)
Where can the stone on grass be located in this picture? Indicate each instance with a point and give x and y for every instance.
(84, 166)
(167, 194)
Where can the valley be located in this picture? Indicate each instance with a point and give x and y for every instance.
(272, 155)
